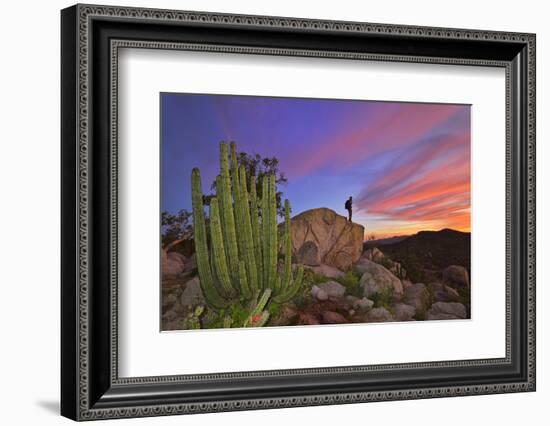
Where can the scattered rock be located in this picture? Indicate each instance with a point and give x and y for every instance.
(444, 293)
(307, 319)
(404, 312)
(379, 315)
(363, 304)
(168, 300)
(376, 279)
(327, 271)
(449, 310)
(330, 317)
(308, 254)
(192, 295)
(456, 276)
(321, 295)
(333, 289)
(317, 293)
(417, 295)
(339, 243)
(170, 315)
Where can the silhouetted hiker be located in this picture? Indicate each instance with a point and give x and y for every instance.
(348, 207)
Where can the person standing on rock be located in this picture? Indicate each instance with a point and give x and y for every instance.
(348, 207)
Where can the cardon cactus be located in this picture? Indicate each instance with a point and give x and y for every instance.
(237, 258)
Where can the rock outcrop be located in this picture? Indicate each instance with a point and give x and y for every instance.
(377, 279)
(418, 296)
(320, 236)
(327, 271)
(172, 264)
(456, 276)
(379, 315)
(445, 311)
(375, 255)
(404, 312)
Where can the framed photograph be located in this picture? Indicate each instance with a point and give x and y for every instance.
(263, 212)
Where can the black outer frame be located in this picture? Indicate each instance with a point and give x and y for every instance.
(90, 388)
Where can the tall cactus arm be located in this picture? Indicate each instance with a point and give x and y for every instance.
(249, 253)
(218, 250)
(287, 271)
(272, 230)
(235, 187)
(258, 317)
(255, 223)
(291, 291)
(258, 320)
(223, 193)
(243, 281)
(265, 231)
(211, 294)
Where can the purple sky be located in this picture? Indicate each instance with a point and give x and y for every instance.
(407, 165)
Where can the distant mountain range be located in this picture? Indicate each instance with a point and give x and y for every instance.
(384, 241)
(426, 253)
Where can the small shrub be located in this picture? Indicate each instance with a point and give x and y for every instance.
(351, 281)
(236, 315)
(383, 299)
(274, 310)
(311, 278)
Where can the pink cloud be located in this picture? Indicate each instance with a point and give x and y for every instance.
(389, 126)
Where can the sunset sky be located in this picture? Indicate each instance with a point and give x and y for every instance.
(407, 165)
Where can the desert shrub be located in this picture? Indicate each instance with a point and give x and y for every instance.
(236, 314)
(351, 281)
(383, 299)
(274, 310)
(420, 315)
(465, 295)
(311, 278)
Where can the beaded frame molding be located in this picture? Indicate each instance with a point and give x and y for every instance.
(91, 39)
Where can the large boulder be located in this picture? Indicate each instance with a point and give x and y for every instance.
(333, 289)
(456, 276)
(404, 312)
(444, 311)
(417, 295)
(327, 271)
(317, 293)
(379, 315)
(377, 279)
(338, 242)
(375, 255)
(330, 317)
(444, 293)
(192, 295)
(172, 264)
(308, 254)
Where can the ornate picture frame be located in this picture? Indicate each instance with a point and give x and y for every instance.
(91, 37)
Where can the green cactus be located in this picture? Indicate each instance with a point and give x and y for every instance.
(210, 292)
(239, 260)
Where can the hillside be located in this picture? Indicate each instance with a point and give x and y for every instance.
(425, 254)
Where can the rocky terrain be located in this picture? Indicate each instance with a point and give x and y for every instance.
(345, 281)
